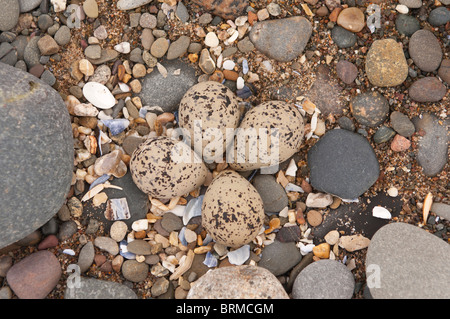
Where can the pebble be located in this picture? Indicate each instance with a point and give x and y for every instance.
(62, 36)
(433, 146)
(91, 288)
(353, 243)
(346, 71)
(139, 247)
(148, 20)
(86, 67)
(147, 39)
(273, 195)
(332, 238)
(159, 47)
(406, 24)
(107, 244)
(319, 200)
(322, 251)
(86, 257)
(289, 234)
(35, 276)
(386, 63)
(45, 22)
(67, 230)
(342, 37)
(131, 4)
(427, 89)
(439, 16)
(404, 263)
(324, 279)
(134, 271)
(412, 4)
(28, 5)
(336, 163)
(102, 74)
(314, 218)
(206, 63)
(346, 123)
(99, 95)
(441, 209)
(123, 47)
(182, 13)
(400, 143)
(101, 33)
(392, 191)
(293, 35)
(425, 50)
(139, 71)
(118, 230)
(48, 242)
(370, 108)
(402, 124)
(47, 45)
(351, 19)
(278, 251)
(444, 71)
(178, 48)
(160, 287)
(90, 8)
(383, 134)
(237, 282)
(401, 8)
(211, 40)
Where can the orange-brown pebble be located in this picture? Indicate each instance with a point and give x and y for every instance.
(322, 251)
(314, 218)
(217, 76)
(252, 17)
(230, 75)
(193, 57)
(140, 234)
(334, 14)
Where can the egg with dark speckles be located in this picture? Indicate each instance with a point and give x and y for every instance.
(165, 168)
(213, 108)
(273, 131)
(232, 210)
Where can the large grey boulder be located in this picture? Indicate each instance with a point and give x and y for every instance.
(404, 261)
(91, 288)
(36, 148)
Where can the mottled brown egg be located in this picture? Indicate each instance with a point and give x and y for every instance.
(211, 108)
(269, 134)
(232, 210)
(165, 168)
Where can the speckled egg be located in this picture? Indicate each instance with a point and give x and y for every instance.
(232, 210)
(216, 107)
(257, 153)
(165, 168)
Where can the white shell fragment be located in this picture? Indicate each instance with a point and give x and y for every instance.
(117, 209)
(381, 212)
(123, 47)
(239, 256)
(99, 95)
(293, 188)
(193, 208)
(210, 260)
(401, 8)
(393, 192)
(211, 40)
(140, 224)
(292, 168)
(427, 203)
(69, 252)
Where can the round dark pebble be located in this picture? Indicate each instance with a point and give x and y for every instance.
(383, 134)
(343, 38)
(406, 24)
(171, 222)
(370, 108)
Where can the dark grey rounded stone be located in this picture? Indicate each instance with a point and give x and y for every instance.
(273, 195)
(324, 279)
(383, 134)
(343, 38)
(167, 92)
(370, 108)
(91, 288)
(280, 257)
(343, 163)
(406, 24)
(402, 124)
(37, 153)
(425, 50)
(439, 16)
(281, 39)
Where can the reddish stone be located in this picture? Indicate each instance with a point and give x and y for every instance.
(99, 260)
(48, 242)
(400, 143)
(252, 17)
(226, 9)
(35, 276)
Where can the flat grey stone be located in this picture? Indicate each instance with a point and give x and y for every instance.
(273, 195)
(280, 257)
(281, 39)
(409, 262)
(167, 92)
(324, 279)
(425, 50)
(28, 5)
(441, 209)
(131, 4)
(343, 163)
(86, 257)
(37, 153)
(91, 288)
(433, 146)
(62, 36)
(9, 15)
(402, 124)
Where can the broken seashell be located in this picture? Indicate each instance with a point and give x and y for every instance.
(123, 250)
(293, 188)
(381, 212)
(185, 266)
(193, 208)
(162, 70)
(140, 224)
(427, 203)
(117, 209)
(239, 256)
(292, 168)
(210, 260)
(116, 126)
(69, 252)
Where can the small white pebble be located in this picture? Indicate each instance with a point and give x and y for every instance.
(229, 65)
(211, 40)
(393, 192)
(240, 83)
(401, 8)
